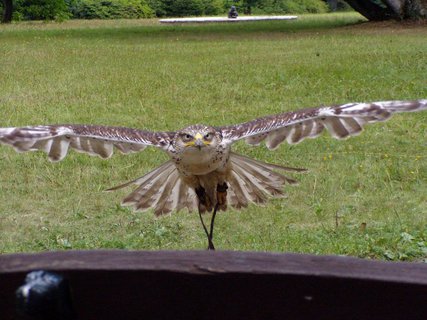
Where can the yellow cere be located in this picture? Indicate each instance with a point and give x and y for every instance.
(198, 136)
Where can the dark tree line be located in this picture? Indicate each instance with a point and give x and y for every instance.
(375, 10)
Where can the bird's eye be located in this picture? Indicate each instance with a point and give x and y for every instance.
(187, 137)
(208, 136)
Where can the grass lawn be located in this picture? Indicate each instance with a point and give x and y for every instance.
(366, 196)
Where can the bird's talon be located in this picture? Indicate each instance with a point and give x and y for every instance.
(201, 194)
(204, 201)
(221, 194)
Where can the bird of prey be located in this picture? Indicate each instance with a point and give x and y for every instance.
(203, 173)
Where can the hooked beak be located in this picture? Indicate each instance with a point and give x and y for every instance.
(199, 143)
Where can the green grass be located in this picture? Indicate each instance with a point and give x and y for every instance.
(145, 75)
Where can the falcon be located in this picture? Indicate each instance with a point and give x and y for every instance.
(203, 172)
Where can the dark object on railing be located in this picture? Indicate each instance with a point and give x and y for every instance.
(232, 14)
(224, 285)
(44, 296)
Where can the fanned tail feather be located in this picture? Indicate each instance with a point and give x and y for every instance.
(255, 181)
(249, 180)
(161, 189)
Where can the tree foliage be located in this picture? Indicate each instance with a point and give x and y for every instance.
(40, 10)
(278, 6)
(180, 8)
(110, 9)
(284, 7)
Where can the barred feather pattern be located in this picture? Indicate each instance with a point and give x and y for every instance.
(341, 121)
(94, 140)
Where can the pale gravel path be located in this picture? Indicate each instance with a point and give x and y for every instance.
(225, 19)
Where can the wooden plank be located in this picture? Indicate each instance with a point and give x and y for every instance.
(225, 19)
(225, 285)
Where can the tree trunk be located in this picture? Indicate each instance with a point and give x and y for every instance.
(371, 10)
(390, 9)
(414, 9)
(7, 11)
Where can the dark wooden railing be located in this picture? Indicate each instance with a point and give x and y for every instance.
(223, 285)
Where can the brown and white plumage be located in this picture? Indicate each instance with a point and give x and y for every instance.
(201, 156)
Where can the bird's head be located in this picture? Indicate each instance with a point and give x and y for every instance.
(197, 137)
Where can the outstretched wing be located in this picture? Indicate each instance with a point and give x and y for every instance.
(342, 121)
(95, 140)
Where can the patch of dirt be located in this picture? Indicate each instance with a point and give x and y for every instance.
(391, 24)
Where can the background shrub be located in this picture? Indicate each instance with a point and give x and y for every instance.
(213, 7)
(110, 9)
(181, 8)
(279, 6)
(41, 10)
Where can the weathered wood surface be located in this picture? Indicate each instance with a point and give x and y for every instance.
(225, 19)
(224, 285)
